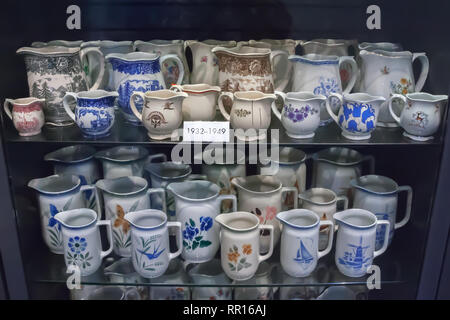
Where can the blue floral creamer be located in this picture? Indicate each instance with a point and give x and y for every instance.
(357, 116)
(137, 71)
(94, 111)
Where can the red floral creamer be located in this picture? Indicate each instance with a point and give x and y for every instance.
(27, 115)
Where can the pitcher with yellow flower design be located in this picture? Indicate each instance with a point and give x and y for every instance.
(384, 73)
(240, 241)
(120, 196)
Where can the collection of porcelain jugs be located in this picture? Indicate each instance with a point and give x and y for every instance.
(74, 81)
(260, 210)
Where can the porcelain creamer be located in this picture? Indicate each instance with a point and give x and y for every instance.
(240, 244)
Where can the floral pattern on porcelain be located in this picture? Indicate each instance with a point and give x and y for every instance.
(419, 119)
(357, 117)
(193, 235)
(299, 114)
(235, 262)
(76, 254)
(327, 86)
(404, 86)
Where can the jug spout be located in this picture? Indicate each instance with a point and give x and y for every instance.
(122, 186)
(77, 218)
(55, 184)
(238, 221)
(356, 218)
(71, 154)
(194, 190)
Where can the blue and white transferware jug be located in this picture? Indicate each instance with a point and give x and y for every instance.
(355, 242)
(94, 111)
(299, 251)
(197, 203)
(58, 193)
(122, 195)
(379, 195)
(81, 237)
(138, 71)
(150, 242)
(358, 114)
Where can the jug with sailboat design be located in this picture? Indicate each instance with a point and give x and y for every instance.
(299, 251)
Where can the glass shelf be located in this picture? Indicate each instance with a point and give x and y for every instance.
(49, 268)
(125, 133)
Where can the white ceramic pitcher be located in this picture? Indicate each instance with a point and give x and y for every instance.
(81, 237)
(384, 73)
(299, 250)
(240, 242)
(355, 242)
(320, 74)
(58, 193)
(262, 196)
(379, 195)
(150, 242)
(197, 203)
(122, 195)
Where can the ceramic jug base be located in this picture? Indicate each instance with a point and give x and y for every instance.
(29, 134)
(300, 136)
(57, 251)
(353, 137)
(261, 136)
(96, 136)
(417, 138)
(387, 124)
(159, 136)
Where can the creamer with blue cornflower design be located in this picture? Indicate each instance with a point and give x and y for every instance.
(197, 203)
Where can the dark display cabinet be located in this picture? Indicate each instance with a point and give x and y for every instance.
(415, 264)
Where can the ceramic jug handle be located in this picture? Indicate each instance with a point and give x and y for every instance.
(106, 223)
(282, 84)
(327, 250)
(6, 107)
(225, 114)
(391, 110)
(162, 192)
(177, 225)
(266, 256)
(231, 197)
(405, 220)
(69, 95)
(354, 74)
(295, 191)
(133, 106)
(179, 64)
(343, 199)
(161, 156)
(282, 95)
(92, 187)
(101, 60)
(386, 238)
(424, 70)
(328, 105)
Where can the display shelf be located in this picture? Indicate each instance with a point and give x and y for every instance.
(125, 133)
(49, 268)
